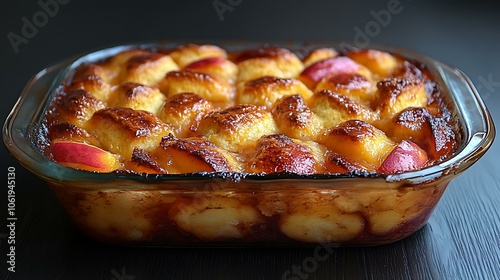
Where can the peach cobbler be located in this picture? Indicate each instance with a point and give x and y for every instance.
(200, 108)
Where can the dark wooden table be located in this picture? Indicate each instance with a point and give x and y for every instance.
(461, 240)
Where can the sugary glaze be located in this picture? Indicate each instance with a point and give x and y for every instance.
(200, 108)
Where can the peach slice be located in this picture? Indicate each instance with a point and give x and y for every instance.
(194, 154)
(218, 66)
(83, 156)
(405, 156)
(328, 67)
(205, 62)
(143, 162)
(337, 164)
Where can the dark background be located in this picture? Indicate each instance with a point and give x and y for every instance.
(461, 240)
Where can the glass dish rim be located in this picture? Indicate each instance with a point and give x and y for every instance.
(476, 140)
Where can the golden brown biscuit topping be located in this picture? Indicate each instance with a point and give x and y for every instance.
(202, 108)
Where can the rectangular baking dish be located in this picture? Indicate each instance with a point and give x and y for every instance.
(227, 209)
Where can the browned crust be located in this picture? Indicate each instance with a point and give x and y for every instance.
(137, 123)
(354, 129)
(132, 90)
(88, 69)
(146, 161)
(390, 88)
(403, 102)
(263, 83)
(77, 100)
(191, 76)
(184, 111)
(292, 110)
(138, 60)
(236, 117)
(68, 131)
(278, 153)
(264, 52)
(186, 102)
(409, 71)
(341, 101)
(89, 83)
(412, 118)
(350, 81)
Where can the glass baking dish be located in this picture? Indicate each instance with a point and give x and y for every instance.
(231, 209)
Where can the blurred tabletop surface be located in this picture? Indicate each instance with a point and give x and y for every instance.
(461, 239)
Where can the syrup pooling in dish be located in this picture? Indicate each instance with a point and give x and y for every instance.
(200, 108)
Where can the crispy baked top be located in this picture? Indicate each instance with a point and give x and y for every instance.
(201, 108)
